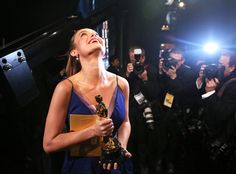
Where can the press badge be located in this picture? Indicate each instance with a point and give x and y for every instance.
(168, 100)
(139, 98)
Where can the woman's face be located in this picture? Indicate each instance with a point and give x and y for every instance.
(87, 41)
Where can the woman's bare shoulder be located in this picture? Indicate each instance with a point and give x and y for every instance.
(122, 82)
(64, 86)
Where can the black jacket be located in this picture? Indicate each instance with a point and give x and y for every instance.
(183, 88)
(221, 109)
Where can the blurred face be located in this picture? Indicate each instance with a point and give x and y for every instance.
(131, 56)
(116, 63)
(224, 61)
(178, 57)
(87, 41)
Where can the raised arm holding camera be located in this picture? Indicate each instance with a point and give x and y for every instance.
(142, 80)
(178, 94)
(219, 102)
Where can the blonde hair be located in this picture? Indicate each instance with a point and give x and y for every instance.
(73, 63)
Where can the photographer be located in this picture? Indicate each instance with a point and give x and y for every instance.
(219, 101)
(142, 80)
(178, 94)
(114, 66)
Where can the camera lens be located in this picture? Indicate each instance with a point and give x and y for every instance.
(169, 61)
(213, 71)
(147, 113)
(138, 68)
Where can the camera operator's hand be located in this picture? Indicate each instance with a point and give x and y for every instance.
(171, 72)
(129, 69)
(161, 65)
(143, 76)
(211, 84)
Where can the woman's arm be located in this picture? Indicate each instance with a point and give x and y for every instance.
(54, 138)
(125, 128)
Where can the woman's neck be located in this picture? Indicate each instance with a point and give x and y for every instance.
(93, 72)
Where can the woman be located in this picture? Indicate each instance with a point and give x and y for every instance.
(87, 78)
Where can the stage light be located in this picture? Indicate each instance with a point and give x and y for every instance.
(211, 47)
(181, 4)
(165, 28)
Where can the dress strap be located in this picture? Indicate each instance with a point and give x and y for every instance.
(67, 121)
(117, 81)
(70, 82)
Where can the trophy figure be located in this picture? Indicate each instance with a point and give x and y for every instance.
(111, 148)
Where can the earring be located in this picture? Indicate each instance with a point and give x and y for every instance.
(75, 60)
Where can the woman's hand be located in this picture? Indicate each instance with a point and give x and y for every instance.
(103, 127)
(114, 166)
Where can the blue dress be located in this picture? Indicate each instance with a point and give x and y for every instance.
(90, 165)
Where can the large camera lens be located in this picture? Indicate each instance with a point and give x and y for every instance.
(147, 113)
(169, 61)
(147, 110)
(138, 68)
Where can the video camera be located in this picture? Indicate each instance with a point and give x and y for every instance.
(138, 67)
(212, 71)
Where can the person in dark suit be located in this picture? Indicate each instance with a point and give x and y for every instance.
(219, 102)
(177, 96)
(141, 76)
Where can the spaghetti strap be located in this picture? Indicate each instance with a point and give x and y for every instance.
(70, 82)
(117, 81)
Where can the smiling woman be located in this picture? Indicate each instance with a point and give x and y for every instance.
(76, 96)
(46, 59)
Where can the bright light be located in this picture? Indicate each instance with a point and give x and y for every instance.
(181, 4)
(211, 47)
(165, 28)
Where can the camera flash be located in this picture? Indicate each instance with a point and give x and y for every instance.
(137, 51)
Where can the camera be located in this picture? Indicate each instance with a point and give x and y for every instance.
(212, 71)
(169, 61)
(147, 114)
(195, 126)
(218, 149)
(147, 110)
(138, 67)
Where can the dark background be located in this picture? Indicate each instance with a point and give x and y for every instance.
(22, 127)
(19, 18)
(199, 21)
